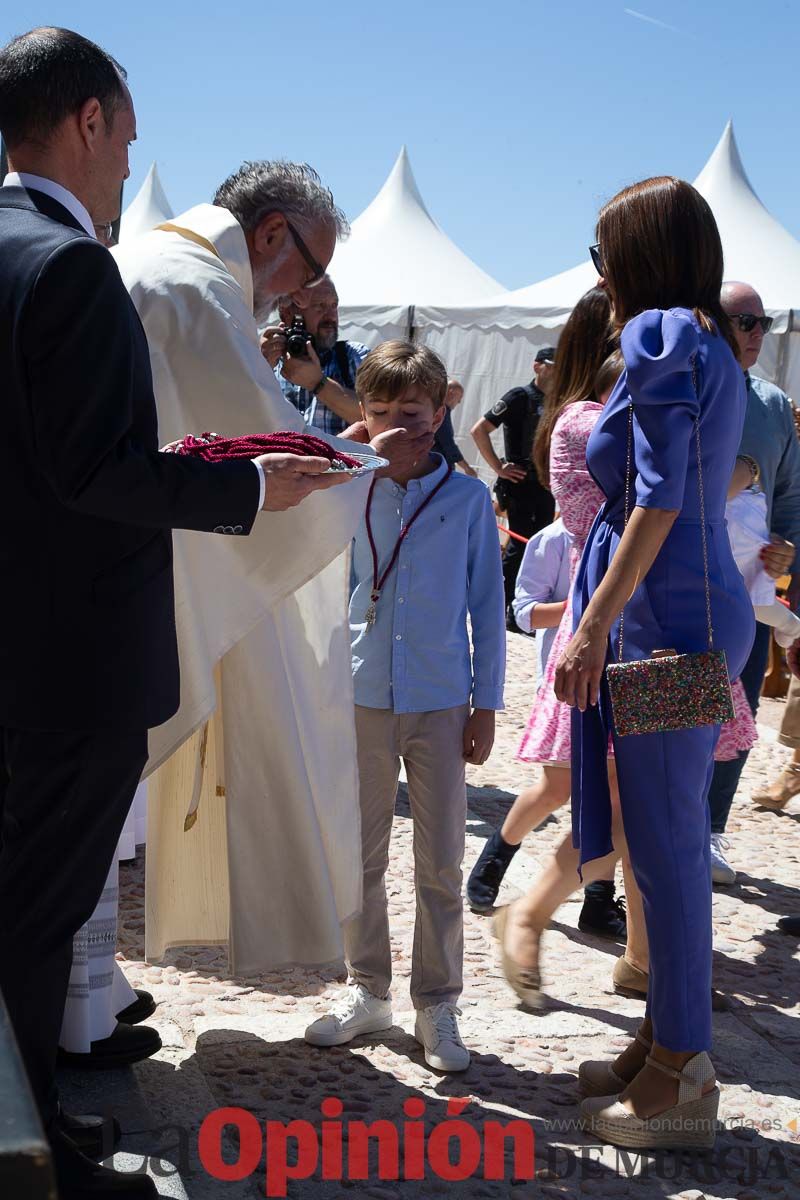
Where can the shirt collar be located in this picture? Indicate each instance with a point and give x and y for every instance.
(55, 191)
(428, 482)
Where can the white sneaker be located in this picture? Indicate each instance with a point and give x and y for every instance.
(721, 869)
(358, 1011)
(436, 1029)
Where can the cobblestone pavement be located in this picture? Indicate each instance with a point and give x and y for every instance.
(231, 1042)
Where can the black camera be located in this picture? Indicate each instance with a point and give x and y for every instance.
(297, 339)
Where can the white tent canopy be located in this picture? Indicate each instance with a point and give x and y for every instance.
(489, 344)
(148, 208)
(758, 250)
(397, 255)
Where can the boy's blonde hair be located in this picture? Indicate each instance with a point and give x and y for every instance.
(609, 373)
(392, 368)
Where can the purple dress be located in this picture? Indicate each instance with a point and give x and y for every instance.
(664, 777)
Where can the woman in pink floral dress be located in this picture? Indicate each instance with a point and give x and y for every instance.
(560, 453)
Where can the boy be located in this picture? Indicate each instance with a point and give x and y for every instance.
(426, 556)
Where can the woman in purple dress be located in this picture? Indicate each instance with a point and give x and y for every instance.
(661, 258)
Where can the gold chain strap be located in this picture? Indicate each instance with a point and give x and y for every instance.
(701, 490)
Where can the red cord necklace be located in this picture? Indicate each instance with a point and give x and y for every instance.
(377, 583)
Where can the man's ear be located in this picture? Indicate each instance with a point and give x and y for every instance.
(269, 233)
(91, 122)
(438, 416)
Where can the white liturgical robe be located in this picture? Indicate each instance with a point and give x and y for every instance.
(272, 863)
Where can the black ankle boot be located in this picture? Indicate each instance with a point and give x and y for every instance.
(601, 914)
(487, 874)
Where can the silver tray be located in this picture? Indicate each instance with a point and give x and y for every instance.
(367, 463)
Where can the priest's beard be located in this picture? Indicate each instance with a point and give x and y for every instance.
(265, 293)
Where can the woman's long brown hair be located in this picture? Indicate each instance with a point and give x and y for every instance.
(661, 248)
(586, 341)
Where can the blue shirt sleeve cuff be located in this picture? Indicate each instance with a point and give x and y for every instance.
(488, 697)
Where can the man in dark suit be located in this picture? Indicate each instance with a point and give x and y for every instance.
(88, 658)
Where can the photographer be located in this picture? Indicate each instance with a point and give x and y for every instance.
(319, 379)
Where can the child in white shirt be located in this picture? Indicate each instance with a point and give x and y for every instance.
(746, 513)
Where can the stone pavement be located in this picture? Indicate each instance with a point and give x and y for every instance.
(239, 1043)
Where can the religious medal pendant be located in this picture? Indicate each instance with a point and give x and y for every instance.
(371, 612)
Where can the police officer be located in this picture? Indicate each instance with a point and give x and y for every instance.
(528, 505)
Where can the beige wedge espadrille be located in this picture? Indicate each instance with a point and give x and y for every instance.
(524, 981)
(597, 1077)
(691, 1124)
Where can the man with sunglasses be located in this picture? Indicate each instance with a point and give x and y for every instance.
(769, 440)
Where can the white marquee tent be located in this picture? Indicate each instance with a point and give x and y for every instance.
(148, 208)
(489, 345)
(397, 257)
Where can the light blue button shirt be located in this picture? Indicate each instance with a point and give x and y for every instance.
(543, 578)
(416, 657)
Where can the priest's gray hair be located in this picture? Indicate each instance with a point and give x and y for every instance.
(294, 189)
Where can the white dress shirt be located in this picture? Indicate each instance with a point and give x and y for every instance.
(56, 192)
(72, 204)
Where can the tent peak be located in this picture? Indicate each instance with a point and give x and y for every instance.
(725, 167)
(401, 187)
(148, 208)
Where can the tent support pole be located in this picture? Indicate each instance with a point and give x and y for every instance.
(411, 329)
(783, 355)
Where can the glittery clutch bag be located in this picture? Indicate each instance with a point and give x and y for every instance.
(670, 691)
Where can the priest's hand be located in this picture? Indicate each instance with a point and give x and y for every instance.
(290, 478)
(356, 433)
(402, 448)
(273, 344)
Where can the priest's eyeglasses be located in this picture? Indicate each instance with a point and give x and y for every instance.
(748, 321)
(317, 268)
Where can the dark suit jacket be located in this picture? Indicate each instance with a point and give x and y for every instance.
(87, 624)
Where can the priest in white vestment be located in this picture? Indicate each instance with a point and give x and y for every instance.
(270, 862)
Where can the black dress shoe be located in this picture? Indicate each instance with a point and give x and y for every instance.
(79, 1178)
(602, 914)
(790, 925)
(127, 1044)
(142, 1007)
(488, 872)
(96, 1137)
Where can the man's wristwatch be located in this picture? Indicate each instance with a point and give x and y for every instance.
(319, 385)
(755, 470)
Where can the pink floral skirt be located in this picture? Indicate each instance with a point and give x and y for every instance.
(547, 738)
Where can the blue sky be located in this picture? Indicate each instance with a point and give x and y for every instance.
(520, 118)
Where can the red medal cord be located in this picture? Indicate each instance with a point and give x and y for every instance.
(213, 448)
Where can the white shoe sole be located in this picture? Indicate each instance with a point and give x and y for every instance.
(720, 875)
(377, 1025)
(441, 1064)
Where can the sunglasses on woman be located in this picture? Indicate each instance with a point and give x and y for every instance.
(594, 252)
(748, 321)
